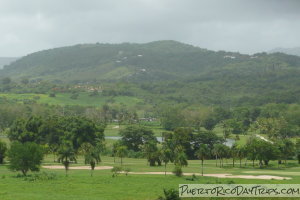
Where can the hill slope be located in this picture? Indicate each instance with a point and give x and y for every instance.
(292, 51)
(6, 61)
(169, 71)
(161, 60)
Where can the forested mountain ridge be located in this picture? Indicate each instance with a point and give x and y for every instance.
(6, 60)
(292, 51)
(161, 60)
(168, 71)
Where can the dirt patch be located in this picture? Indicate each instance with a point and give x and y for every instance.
(265, 177)
(76, 167)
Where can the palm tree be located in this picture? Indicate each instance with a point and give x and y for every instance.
(66, 154)
(91, 155)
(121, 152)
(240, 153)
(53, 149)
(166, 157)
(180, 157)
(202, 153)
(233, 153)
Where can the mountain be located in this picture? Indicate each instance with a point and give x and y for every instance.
(169, 71)
(291, 51)
(161, 60)
(6, 61)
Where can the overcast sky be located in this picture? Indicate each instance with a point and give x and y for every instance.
(247, 26)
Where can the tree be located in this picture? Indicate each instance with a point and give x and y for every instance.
(66, 154)
(209, 123)
(3, 149)
(298, 150)
(122, 152)
(91, 155)
(286, 148)
(166, 157)
(233, 153)
(6, 80)
(251, 149)
(240, 153)
(220, 151)
(183, 137)
(134, 137)
(180, 157)
(25, 157)
(202, 153)
(172, 118)
(151, 152)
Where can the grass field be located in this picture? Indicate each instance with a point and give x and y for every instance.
(80, 185)
(64, 99)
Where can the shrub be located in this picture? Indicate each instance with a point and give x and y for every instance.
(52, 95)
(116, 170)
(170, 194)
(127, 170)
(177, 171)
(3, 149)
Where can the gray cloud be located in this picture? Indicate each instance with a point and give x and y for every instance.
(235, 25)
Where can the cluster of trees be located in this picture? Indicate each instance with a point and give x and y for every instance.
(10, 111)
(275, 120)
(177, 147)
(183, 144)
(65, 137)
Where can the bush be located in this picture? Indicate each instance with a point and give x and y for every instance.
(3, 149)
(52, 95)
(177, 171)
(74, 96)
(44, 176)
(170, 194)
(127, 170)
(116, 170)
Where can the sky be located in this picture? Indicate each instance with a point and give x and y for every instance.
(246, 26)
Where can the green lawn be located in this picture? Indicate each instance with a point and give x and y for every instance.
(64, 99)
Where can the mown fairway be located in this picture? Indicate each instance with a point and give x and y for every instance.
(80, 185)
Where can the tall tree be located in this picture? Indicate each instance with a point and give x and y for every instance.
(202, 153)
(166, 156)
(91, 155)
(66, 154)
(122, 152)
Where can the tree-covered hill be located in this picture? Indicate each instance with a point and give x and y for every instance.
(161, 60)
(292, 51)
(6, 60)
(168, 71)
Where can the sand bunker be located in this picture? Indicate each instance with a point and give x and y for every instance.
(266, 177)
(287, 173)
(77, 167)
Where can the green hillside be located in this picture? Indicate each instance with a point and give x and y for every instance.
(167, 71)
(156, 60)
(6, 61)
